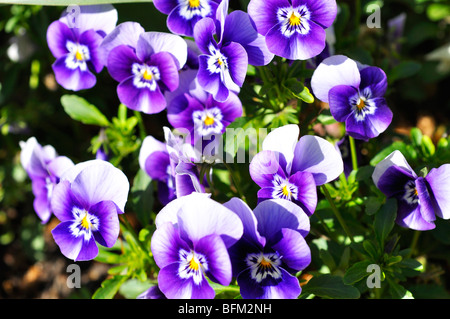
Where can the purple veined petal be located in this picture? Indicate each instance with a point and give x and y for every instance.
(241, 29)
(166, 194)
(57, 36)
(101, 18)
(180, 111)
(109, 227)
(231, 108)
(323, 12)
(249, 221)
(382, 118)
(42, 207)
(294, 249)
(339, 99)
(283, 140)
(120, 61)
(319, 157)
(69, 245)
(32, 157)
(187, 83)
(220, 18)
(148, 146)
(63, 201)
(333, 71)
(211, 83)
(100, 181)
(156, 166)
(426, 204)
(174, 287)
(187, 179)
(397, 159)
(152, 293)
(169, 213)
(409, 216)
(92, 40)
(202, 216)
(177, 24)
(126, 33)
(140, 99)
(360, 130)
(438, 179)
(72, 79)
(167, 68)
(287, 288)
(58, 166)
(275, 214)
(237, 63)
(374, 79)
(219, 264)
(150, 43)
(166, 244)
(393, 180)
(265, 167)
(306, 195)
(165, 6)
(264, 13)
(204, 31)
(88, 251)
(298, 46)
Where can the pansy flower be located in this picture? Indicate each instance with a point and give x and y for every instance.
(293, 29)
(196, 111)
(272, 249)
(223, 63)
(184, 14)
(190, 244)
(87, 201)
(290, 169)
(45, 168)
(145, 68)
(355, 96)
(420, 198)
(75, 42)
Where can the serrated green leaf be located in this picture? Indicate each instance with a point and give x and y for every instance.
(330, 286)
(81, 110)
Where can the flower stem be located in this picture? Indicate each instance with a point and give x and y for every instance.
(414, 242)
(353, 153)
(142, 132)
(235, 181)
(337, 213)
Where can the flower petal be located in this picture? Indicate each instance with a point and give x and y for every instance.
(323, 12)
(72, 79)
(69, 245)
(101, 18)
(126, 33)
(294, 249)
(63, 201)
(339, 99)
(375, 79)
(265, 166)
(109, 227)
(438, 179)
(264, 13)
(409, 216)
(166, 244)
(306, 195)
(148, 146)
(283, 139)
(57, 36)
(396, 158)
(120, 61)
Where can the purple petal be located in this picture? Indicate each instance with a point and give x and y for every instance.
(156, 166)
(120, 61)
(264, 13)
(294, 249)
(187, 179)
(410, 217)
(264, 167)
(59, 166)
(307, 192)
(241, 29)
(237, 63)
(57, 36)
(286, 288)
(63, 201)
(69, 245)
(231, 108)
(168, 69)
(211, 83)
(178, 24)
(179, 111)
(109, 227)
(283, 139)
(41, 205)
(396, 158)
(150, 43)
(204, 34)
(275, 214)
(374, 79)
(426, 204)
(319, 157)
(323, 12)
(100, 18)
(166, 194)
(165, 6)
(88, 251)
(33, 157)
(393, 180)
(174, 287)
(140, 99)
(75, 79)
(335, 70)
(148, 146)
(438, 179)
(166, 244)
(126, 33)
(339, 99)
(219, 264)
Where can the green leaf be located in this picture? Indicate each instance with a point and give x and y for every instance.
(385, 219)
(299, 91)
(403, 70)
(416, 136)
(397, 145)
(81, 110)
(142, 196)
(330, 286)
(357, 272)
(428, 147)
(132, 288)
(109, 287)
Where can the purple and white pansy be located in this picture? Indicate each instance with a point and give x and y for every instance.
(355, 95)
(293, 29)
(420, 198)
(75, 43)
(272, 249)
(292, 168)
(87, 201)
(190, 244)
(45, 168)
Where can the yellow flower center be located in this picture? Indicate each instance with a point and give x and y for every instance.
(193, 264)
(415, 192)
(79, 56)
(294, 19)
(361, 104)
(85, 222)
(208, 121)
(147, 75)
(285, 191)
(194, 3)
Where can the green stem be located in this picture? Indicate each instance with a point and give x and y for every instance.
(353, 153)
(337, 213)
(142, 132)
(235, 182)
(414, 242)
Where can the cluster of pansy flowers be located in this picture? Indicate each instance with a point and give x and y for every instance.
(195, 73)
